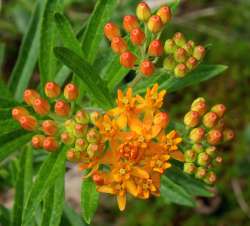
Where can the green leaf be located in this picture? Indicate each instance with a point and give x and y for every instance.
(193, 186)
(93, 84)
(7, 103)
(4, 216)
(94, 31)
(24, 180)
(4, 89)
(174, 5)
(172, 192)
(28, 54)
(8, 126)
(45, 179)
(5, 113)
(73, 218)
(89, 199)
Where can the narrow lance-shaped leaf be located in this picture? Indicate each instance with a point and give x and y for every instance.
(73, 218)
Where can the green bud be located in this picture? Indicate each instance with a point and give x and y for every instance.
(189, 168)
(198, 148)
(192, 119)
(82, 117)
(210, 178)
(179, 39)
(200, 173)
(203, 159)
(199, 52)
(211, 151)
(180, 55)
(93, 136)
(81, 144)
(70, 126)
(190, 156)
(92, 149)
(180, 70)
(191, 63)
(170, 46)
(189, 47)
(169, 63)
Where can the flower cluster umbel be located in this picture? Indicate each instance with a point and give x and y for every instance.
(143, 50)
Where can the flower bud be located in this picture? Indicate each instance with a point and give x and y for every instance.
(220, 125)
(82, 117)
(210, 119)
(155, 48)
(192, 119)
(50, 144)
(203, 159)
(197, 134)
(211, 151)
(218, 161)
(180, 55)
(155, 24)
(210, 178)
(70, 125)
(30, 95)
(37, 141)
(137, 36)
(165, 14)
(62, 108)
(190, 156)
(41, 106)
(199, 105)
(130, 22)
(169, 63)
(170, 46)
(189, 47)
(71, 92)
(28, 122)
(179, 39)
(147, 68)
(80, 130)
(189, 168)
(219, 109)
(128, 59)
(143, 11)
(214, 137)
(52, 90)
(18, 112)
(92, 149)
(111, 30)
(162, 119)
(191, 63)
(198, 148)
(118, 45)
(228, 135)
(67, 139)
(180, 70)
(49, 127)
(72, 155)
(200, 173)
(94, 116)
(98, 179)
(93, 136)
(81, 144)
(199, 52)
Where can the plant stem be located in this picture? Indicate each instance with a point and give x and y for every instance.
(137, 78)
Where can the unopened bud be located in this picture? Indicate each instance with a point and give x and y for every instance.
(52, 90)
(72, 155)
(210, 178)
(192, 119)
(169, 63)
(219, 109)
(199, 105)
(147, 68)
(179, 39)
(155, 24)
(170, 46)
(94, 116)
(41, 106)
(92, 149)
(214, 137)
(161, 119)
(180, 55)
(80, 130)
(191, 63)
(198, 148)
(203, 159)
(165, 14)
(81, 144)
(37, 141)
(50, 144)
(137, 36)
(28, 122)
(66, 138)
(127, 59)
(210, 119)
(218, 160)
(93, 136)
(118, 45)
(190, 156)
(71, 92)
(130, 22)
(155, 48)
(228, 135)
(49, 127)
(98, 179)
(189, 47)
(82, 117)
(199, 52)
(62, 108)
(211, 151)
(143, 11)
(197, 134)
(200, 173)
(189, 168)
(18, 112)
(180, 70)
(30, 95)
(111, 30)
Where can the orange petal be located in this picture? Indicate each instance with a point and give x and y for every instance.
(177, 155)
(131, 187)
(106, 189)
(139, 172)
(121, 200)
(122, 121)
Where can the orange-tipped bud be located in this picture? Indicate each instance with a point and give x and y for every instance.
(190, 156)
(155, 24)
(62, 108)
(118, 45)
(81, 144)
(147, 68)
(200, 173)
(93, 136)
(211, 151)
(52, 90)
(192, 119)
(111, 30)
(198, 148)
(128, 59)
(199, 52)
(137, 36)
(169, 63)
(180, 55)
(218, 160)
(165, 14)
(197, 134)
(199, 105)
(180, 70)
(228, 135)
(66, 138)
(37, 141)
(203, 159)
(214, 137)
(71, 155)
(191, 63)
(170, 46)
(155, 48)
(71, 92)
(94, 117)
(130, 22)
(189, 168)
(210, 178)
(28, 122)
(30, 95)
(70, 125)
(189, 47)
(49, 127)
(219, 109)
(210, 119)
(18, 112)
(80, 130)
(41, 106)
(98, 179)
(143, 11)
(50, 144)
(162, 119)
(82, 117)
(92, 149)
(179, 39)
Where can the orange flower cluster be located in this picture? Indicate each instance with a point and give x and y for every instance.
(138, 148)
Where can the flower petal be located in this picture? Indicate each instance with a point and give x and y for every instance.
(141, 173)
(121, 200)
(106, 189)
(131, 187)
(177, 155)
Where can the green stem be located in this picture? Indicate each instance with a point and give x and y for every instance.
(137, 78)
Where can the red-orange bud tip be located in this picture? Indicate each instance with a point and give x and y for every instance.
(214, 137)
(71, 92)
(127, 59)
(62, 108)
(41, 106)
(50, 144)
(18, 112)
(137, 36)
(49, 127)
(111, 30)
(118, 45)
(30, 95)
(28, 122)
(37, 141)
(130, 22)
(165, 14)
(52, 90)
(147, 68)
(155, 48)
(155, 24)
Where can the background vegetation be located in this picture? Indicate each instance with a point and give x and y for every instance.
(224, 24)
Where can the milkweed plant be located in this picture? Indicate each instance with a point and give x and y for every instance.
(119, 134)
